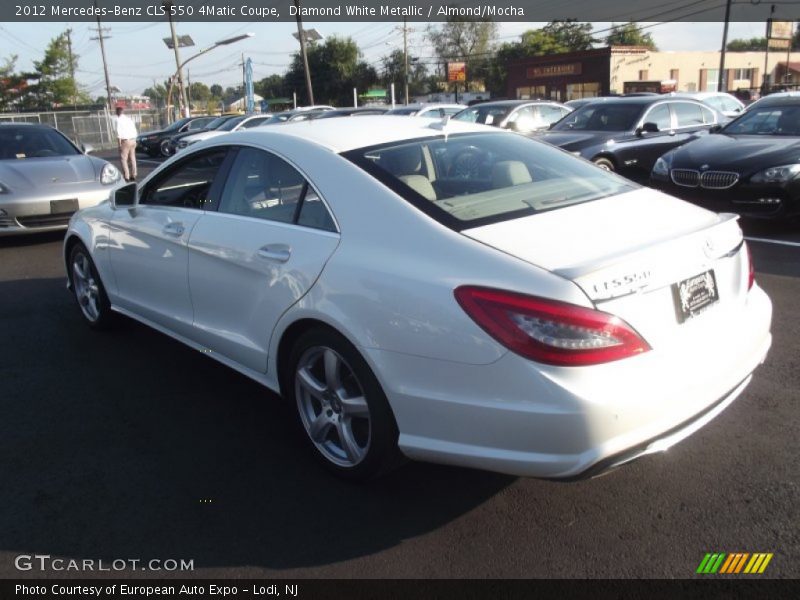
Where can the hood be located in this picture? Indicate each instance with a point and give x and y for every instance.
(31, 173)
(577, 140)
(742, 153)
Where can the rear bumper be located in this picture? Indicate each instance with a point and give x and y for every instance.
(521, 418)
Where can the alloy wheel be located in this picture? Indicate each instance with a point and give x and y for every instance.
(87, 291)
(332, 406)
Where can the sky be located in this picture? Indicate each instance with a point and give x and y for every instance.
(137, 56)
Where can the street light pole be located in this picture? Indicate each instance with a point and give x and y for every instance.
(224, 42)
(302, 35)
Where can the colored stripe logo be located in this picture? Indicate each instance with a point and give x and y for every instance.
(734, 563)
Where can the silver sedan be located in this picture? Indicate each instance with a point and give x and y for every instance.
(45, 178)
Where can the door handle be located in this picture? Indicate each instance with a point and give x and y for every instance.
(174, 229)
(275, 252)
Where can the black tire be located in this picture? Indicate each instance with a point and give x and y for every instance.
(381, 453)
(605, 163)
(164, 149)
(105, 316)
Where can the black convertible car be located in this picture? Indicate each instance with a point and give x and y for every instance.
(628, 134)
(751, 166)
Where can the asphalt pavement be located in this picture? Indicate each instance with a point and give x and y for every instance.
(128, 445)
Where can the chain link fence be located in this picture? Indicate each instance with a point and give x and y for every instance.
(93, 127)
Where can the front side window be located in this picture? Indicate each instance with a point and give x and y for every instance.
(188, 184)
(264, 186)
(468, 180)
(660, 116)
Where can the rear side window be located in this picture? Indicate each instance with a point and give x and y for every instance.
(688, 114)
(262, 185)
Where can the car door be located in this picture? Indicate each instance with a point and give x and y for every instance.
(256, 255)
(149, 243)
(692, 120)
(636, 155)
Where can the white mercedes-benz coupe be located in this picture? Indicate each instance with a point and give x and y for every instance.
(441, 291)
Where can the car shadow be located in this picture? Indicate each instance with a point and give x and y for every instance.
(126, 443)
(31, 239)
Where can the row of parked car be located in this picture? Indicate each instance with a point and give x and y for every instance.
(708, 148)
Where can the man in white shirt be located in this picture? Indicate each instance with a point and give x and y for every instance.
(126, 134)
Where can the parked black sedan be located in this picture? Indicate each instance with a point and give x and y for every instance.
(169, 146)
(150, 141)
(751, 166)
(627, 134)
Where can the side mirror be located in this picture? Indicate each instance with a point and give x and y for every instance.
(648, 127)
(87, 148)
(125, 197)
(715, 128)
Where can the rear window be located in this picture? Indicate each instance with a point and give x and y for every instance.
(485, 114)
(473, 179)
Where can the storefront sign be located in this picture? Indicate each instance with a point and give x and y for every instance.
(554, 70)
(456, 71)
(779, 30)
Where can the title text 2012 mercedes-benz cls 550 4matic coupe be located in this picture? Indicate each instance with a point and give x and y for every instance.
(444, 291)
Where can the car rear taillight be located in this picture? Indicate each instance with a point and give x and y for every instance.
(751, 270)
(549, 331)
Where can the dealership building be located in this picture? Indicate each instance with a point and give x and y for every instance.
(622, 69)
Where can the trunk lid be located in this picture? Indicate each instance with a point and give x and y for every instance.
(630, 252)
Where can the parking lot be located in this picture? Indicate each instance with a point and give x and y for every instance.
(127, 444)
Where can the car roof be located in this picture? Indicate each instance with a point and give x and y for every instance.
(341, 135)
(782, 100)
(514, 102)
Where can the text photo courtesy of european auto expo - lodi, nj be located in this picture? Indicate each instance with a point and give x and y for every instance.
(318, 299)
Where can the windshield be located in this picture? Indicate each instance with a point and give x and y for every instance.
(767, 120)
(231, 124)
(486, 114)
(468, 180)
(598, 116)
(33, 142)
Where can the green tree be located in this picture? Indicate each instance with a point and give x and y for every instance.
(336, 68)
(216, 90)
(393, 71)
(757, 44)
(55, 84)
(468, 41)
(199, 92)
(272, 86)
(12, 84)
(630, 34)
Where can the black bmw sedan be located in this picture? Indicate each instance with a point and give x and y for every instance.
(628, 134)
(751, 166)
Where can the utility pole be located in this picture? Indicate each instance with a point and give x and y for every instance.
(765, 84)
(405, 57)
(103, 53)
(71, 63)
(302, 35)
(721, 83)
(181, 88)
